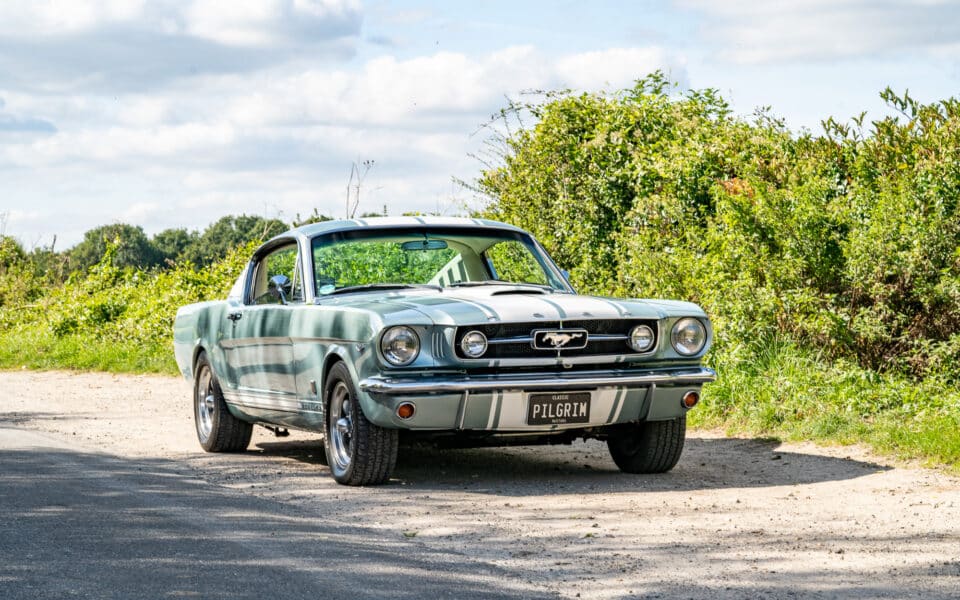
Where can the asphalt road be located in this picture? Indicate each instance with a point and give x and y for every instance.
(88, 525)
(105, 493)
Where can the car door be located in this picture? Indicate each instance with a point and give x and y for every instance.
(257, 342)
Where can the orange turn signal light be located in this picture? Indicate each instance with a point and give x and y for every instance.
(406, 409)
(690, 399)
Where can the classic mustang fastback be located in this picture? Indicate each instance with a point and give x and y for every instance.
(462, 331)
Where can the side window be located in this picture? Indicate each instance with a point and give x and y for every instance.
(511, 261)
(285, 262)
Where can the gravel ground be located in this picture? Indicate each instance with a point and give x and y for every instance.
(737, 518)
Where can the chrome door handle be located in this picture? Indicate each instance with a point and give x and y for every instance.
(234, 316)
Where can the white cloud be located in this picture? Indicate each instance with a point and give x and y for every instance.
(140, 212)
(51, 17)
(789, 30)
(424, 96)
(143, 111)
(260, 22)
(280, 140)
(437, 88)
(232, 22)
(617, 68)
(119, 146)
(117, 45)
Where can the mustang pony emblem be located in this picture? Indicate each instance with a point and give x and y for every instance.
(559, 340)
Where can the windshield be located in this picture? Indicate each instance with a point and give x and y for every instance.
(431, 257)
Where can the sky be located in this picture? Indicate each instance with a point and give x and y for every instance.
(174, 113)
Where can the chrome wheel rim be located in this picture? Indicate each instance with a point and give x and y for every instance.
(341, 427)
(205, 402)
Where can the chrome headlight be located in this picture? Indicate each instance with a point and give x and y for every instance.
(400, 345)
(641, 338)
(474, 344)
(688, 336)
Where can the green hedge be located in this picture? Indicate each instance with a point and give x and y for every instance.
(107, 318)
(830, 263)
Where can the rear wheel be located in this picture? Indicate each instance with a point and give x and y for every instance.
(217, 429)
(358, 452)
(648, 447)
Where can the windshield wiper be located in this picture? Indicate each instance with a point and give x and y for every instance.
(382, 286)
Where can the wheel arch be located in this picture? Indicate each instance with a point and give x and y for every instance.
(197, 351)
(329, 361)
(373, 410)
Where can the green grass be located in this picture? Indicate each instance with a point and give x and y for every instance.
(793, 394)
(40, 350)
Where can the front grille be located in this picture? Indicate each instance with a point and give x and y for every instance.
(513, 340)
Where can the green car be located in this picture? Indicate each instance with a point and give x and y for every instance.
(459, 331)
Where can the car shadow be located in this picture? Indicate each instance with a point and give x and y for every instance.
(586, 467)
(305, 451)
(79, 524)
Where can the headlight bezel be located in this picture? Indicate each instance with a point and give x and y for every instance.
(389, 353)
(678, 329)
(652, 336)
(463, 344)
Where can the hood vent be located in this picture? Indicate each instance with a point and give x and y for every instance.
(523, 292)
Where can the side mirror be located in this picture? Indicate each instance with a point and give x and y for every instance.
(277, 286)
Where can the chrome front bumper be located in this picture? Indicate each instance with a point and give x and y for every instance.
(409, 385)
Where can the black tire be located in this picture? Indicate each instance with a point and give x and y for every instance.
(217, 429)
(648, 447)
(358, 452)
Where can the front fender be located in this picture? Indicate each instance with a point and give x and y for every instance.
(361, 362)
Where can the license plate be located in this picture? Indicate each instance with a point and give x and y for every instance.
(558, 408)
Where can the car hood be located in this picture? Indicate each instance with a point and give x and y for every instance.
(492, 304)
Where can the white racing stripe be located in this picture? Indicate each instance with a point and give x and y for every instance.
(494, 406)
(621, 399)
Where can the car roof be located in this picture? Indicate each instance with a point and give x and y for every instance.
(315, 229)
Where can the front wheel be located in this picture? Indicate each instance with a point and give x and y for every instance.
(358, 452)
(217, 429)
(648, 447)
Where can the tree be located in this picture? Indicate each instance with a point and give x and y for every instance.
(228, 233)
(171, 244)
(314, 217)
(133, 248)
(11, 253)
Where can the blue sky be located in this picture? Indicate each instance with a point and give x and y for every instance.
(175, 113)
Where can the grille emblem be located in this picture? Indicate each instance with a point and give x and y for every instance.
(559, 339)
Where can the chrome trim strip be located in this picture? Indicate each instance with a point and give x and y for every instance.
(399, 385)
(510, 340)
(289, 404)
(593, 337)
(255, 341)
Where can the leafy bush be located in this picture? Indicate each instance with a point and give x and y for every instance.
(111, 317)
(829, 264)
(848, 243)
(19, 283)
